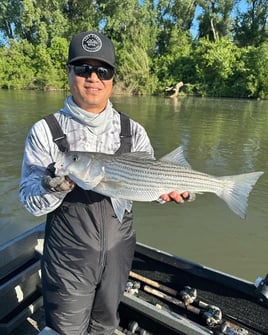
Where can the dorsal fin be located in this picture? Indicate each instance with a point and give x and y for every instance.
(176, 157)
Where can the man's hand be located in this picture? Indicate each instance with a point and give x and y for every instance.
(177, 197)
(52, 183)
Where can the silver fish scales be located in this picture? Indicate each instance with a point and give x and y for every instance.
(136, 176)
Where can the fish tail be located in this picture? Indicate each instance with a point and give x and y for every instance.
(236, 191)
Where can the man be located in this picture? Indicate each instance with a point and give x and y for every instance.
(87, 252)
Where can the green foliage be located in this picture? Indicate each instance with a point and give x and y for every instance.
(215, 21)
(176, 64)
(262, 70)
(136, 73)
(257, 83)
(153, 40)
(80, 15)
(250, 27)
(50, 65)
(216, 64)
(16, 66)
(133, 30)
(43, 68)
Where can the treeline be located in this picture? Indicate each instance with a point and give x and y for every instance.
(217, 48)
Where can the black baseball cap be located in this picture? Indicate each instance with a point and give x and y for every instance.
(91, 45)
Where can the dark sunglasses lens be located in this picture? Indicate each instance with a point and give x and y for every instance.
(104, 73)
(81, 70)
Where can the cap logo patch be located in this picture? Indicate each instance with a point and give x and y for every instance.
(91, 43)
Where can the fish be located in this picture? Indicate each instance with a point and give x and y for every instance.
(137, 176)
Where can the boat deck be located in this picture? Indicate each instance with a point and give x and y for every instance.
(242, 307)
(236, 306)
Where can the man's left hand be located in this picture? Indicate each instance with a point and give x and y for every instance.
(176, 196)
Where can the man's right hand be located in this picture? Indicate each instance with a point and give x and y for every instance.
(52, 183)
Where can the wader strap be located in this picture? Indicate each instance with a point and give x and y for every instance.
(125, 135)
(58, 136)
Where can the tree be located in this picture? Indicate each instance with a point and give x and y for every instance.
(176, 63)
(10, 11)
(251, 27)
(82, 15)
(50, 65)
(216, 63)
(215, 21)
(257, 70)
(16, 66)
(136, 73)
(41, 21)
(176, 14)
(262, 70)
(132, 27)
(153, 41)
(37, 21)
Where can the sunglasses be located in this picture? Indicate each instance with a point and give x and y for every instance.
(86, 70)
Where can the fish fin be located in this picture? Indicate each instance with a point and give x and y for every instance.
(160, 201)
(176, 157)
(120, 206)
(236, 191)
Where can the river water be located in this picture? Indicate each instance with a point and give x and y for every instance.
(220, 137)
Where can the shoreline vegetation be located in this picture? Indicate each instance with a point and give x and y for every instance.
(214, 47)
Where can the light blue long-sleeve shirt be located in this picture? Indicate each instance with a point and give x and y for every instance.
(40, 151)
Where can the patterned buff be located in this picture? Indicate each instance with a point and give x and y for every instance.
(98, 123)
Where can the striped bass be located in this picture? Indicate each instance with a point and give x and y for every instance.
(137, 176)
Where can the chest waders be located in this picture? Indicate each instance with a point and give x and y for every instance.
(87, 256)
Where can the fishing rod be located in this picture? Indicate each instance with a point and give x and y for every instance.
(211, 314)
(188, 298)
(188, 294)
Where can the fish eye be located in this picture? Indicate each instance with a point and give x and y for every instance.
(75, 158)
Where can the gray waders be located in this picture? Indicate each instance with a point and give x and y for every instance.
(87, 256)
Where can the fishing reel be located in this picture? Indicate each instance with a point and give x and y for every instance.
(228, 328)
(188, 295)
(132, 287)
(212, 315)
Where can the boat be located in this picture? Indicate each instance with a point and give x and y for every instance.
(165, 294)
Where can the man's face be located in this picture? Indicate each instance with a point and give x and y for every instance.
(90, 93)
